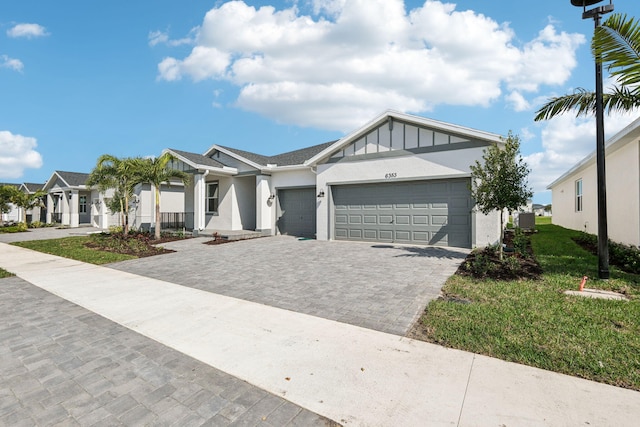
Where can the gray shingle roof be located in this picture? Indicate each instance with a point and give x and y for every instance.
(296, 157)
(9, 184)
(32, 187)
(74, 179)
(198, 159)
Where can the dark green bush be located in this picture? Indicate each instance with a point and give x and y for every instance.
(626, 257)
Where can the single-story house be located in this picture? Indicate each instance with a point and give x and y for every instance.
(71, 202)
(37, 213)
(398, 179)
(574, 194)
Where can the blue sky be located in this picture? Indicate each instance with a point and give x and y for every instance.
(79, 79)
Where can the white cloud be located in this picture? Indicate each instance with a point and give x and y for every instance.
(517, 101)
(566, 140)
(367, 56)
(11, 63)
(17, 153)
(160, 37)
(28, 31)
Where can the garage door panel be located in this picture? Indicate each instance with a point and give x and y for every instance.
(341, 233)
(425, 212)
(421, 236)
(403, 219)
(386, 219)
(385, 234)
(438, 220)
(421, 219)
(355, 219)
(370, 234)
(355, 233)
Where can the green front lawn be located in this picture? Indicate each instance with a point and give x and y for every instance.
(534, 323)
(74, 248)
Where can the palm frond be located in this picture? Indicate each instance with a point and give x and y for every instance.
(582, 100)
(617, 43)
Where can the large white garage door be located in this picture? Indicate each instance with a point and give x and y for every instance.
(435, 212)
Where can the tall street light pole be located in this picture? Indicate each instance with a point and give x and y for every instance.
(603, 239)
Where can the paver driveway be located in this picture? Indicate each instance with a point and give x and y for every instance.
(376, 286)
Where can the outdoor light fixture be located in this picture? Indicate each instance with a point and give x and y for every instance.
(271, 197)
(321, 193)
(603, 243)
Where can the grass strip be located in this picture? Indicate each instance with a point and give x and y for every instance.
(534, 323)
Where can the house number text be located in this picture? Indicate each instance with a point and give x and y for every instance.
(390, 175)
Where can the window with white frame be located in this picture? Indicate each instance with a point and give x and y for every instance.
(212, 197)
(579, 195)
(82, 204)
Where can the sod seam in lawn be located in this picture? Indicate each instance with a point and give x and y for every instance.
(534, 323)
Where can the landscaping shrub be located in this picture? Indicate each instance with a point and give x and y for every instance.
(626, 257)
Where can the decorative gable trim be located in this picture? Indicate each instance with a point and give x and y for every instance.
(388, 132)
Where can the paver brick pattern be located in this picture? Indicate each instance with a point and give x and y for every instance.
(64, 365)
(378, 286)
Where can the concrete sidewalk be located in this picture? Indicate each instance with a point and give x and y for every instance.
(352, 375)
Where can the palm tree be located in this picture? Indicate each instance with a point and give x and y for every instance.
(617, 43)
(156, 171)
(119, 174)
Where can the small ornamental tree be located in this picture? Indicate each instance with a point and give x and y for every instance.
(6, 194)
(27, 201)
(500, 182)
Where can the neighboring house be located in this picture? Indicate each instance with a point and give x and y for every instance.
(38, 213)
(541, 210)
(574, 194)
(70, 202)
(172, 215)
(398, 179)
(14, 214)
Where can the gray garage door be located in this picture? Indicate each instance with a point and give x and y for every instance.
(436, 212)
(297, 212)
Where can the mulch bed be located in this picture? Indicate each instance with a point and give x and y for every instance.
(528, 267)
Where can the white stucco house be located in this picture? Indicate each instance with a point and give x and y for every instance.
(398, 179)
(71, 202)
(574, 194)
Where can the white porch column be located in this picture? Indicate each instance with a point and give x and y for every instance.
(264, 204)
(199, 202)
(65, 207)
(74, 217)
(49, 208)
